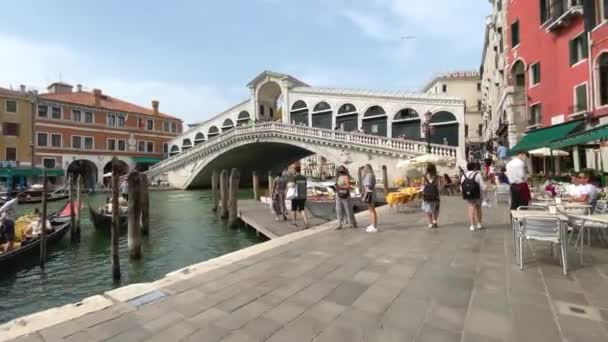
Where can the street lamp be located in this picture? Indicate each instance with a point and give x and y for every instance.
(428, 130)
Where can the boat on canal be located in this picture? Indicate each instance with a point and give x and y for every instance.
(102, 220)
(30, 247)
(34, 195)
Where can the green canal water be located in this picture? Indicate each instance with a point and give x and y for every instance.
(183, 231)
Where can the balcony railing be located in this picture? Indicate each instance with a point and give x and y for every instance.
(560, 12)
(577, 109)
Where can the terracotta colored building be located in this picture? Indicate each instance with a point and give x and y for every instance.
(80, 131)
(557, 55)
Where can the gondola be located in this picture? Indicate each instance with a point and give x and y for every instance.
(35, 196)
(103, 221)
(16, 256)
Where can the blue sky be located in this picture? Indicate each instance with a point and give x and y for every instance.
(196, 57)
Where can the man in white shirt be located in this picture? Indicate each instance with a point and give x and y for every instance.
(587, 192)
(572, 190)
(518, 178)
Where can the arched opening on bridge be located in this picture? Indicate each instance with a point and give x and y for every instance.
(199, 138)
(86, 169)
(186, 144)
(243, 119)
(406, 124)
(299, 113)
(268, 101)
(227, 125)
(444, 129)
(213, 132)
(518, 74)
(347, 118)
(375, 121)
(123, 169)
(174, 150)
(322, 115)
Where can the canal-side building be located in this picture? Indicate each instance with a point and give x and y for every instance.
(467, 86)
(557, 59)
(503, 104)
(284, 98)
(16, 148)
(80, 131)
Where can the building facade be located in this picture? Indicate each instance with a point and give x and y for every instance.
(80, 131)
(557, 55)
(467, 86)
(16, 144)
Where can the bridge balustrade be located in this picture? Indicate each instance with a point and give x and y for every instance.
(349, 138)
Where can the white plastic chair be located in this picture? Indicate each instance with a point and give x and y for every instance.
(547, 229)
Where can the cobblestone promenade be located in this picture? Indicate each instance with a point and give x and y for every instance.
(406, 283)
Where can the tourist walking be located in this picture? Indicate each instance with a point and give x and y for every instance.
(502, 155)
(517, 173)
(278, 196)
(369, 197)
(473, 186)
(344, 204)
(298, 202)
(430, 195)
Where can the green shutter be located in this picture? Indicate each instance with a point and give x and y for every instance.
(572, 45)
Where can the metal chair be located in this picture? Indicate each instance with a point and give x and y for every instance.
(503, 191)
(516, 225)
(547, 229)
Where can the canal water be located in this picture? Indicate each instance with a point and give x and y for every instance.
(183, 231)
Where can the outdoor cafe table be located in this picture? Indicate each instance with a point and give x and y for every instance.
(518, 215)
(600, 218)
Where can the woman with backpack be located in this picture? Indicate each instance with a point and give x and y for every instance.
(344, 205)
(430, 195)
(473, 186)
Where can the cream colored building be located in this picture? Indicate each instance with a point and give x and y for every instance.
(504, 105)
(465, 85)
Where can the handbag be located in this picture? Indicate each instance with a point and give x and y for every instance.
(367, 197)
(291, 191)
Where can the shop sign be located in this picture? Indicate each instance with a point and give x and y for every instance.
(8, 163)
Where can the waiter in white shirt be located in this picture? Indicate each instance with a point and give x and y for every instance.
(518, 178)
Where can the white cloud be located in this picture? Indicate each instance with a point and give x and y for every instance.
(39, 64)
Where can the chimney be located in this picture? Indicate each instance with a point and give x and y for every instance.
(155, 106)
(97, 95)
(22, 87)
(79, 88)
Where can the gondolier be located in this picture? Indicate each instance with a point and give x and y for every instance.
(517, 173)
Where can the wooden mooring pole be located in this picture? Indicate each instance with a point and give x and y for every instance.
(134, 215)
(79, 207)
(43, 223)
(215, 196)
(115, 221)
(385, 179)
(73, 237)
(234, 192)
(224, 193)
(145, 205)
(256, 186)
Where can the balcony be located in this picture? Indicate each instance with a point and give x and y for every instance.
(560, 13)
(577, 111)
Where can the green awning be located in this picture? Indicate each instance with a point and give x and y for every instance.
(542, 137)
(146, 160)
(597, 133)
(11, 172)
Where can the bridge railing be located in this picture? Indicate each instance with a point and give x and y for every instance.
(350, 138)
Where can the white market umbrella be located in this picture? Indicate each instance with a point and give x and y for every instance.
(106, 175)
(547, 152)
(428, 159)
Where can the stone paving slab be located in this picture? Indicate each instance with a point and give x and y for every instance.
(405, 283)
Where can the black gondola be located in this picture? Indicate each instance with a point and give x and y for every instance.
(16, 256)
(103, 221)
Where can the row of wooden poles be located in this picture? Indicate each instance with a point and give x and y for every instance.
(224, 194)
(138, 216)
